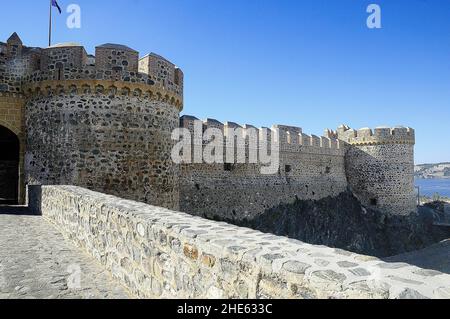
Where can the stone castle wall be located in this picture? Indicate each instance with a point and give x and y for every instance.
(95, 122)
(108, 142)
(380, 167)
(61, 57)
(310, 167)
(116, 58)
(158, 253)
(105, 123)
(123, 109)
(10, 75)
(377, 165)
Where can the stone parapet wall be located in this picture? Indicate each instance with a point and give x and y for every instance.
(69, 61)
(161, 70)
(158, 253)
(310, 167)
(60, 57)
(116, 58)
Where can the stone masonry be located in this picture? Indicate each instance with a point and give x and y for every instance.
(310, 167)
(158, 253)
(380, 167)
(97, 123)
(104, 122)
(376, 166)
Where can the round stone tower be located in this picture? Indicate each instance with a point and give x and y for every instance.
(380, 167)
(104, 123)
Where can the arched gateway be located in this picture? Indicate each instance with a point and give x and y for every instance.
(9, 166)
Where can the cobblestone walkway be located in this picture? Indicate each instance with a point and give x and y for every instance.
(37, 262)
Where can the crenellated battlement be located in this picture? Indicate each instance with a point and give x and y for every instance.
(255, 169)
(291, 139)
(108, 120)
(111, 113)
(68, 64)
(377, 136)
(380, 166)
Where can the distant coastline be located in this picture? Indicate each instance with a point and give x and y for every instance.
(432, 171)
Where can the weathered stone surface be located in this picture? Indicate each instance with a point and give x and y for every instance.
(346, 264)
(101, 122)
(36, 261)
(443, 292)
(376, 165)
(187, 267)
(411, 294)
(322, 262)
(392, 265)
(329, 275)
(123, 154)
(208, 260)
(360, 272)
(427, 272)
(296, 267)
(380, 167)
(190, 251)
(241, 192)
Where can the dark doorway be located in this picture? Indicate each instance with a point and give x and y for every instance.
(9, 167)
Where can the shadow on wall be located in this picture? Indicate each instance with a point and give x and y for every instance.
(34, 194)
(343, 222)
(9, 167)
(15, 210)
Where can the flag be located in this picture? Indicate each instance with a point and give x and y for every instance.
(56, 5)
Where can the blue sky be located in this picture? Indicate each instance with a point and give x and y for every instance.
(308, 63)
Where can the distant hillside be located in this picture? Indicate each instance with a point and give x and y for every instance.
(440, 170)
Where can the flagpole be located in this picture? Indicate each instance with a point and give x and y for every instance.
(50, 26)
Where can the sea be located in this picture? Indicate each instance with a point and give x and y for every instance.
(429, 187)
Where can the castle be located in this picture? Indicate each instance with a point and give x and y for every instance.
(104, 122)
(90, 138)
